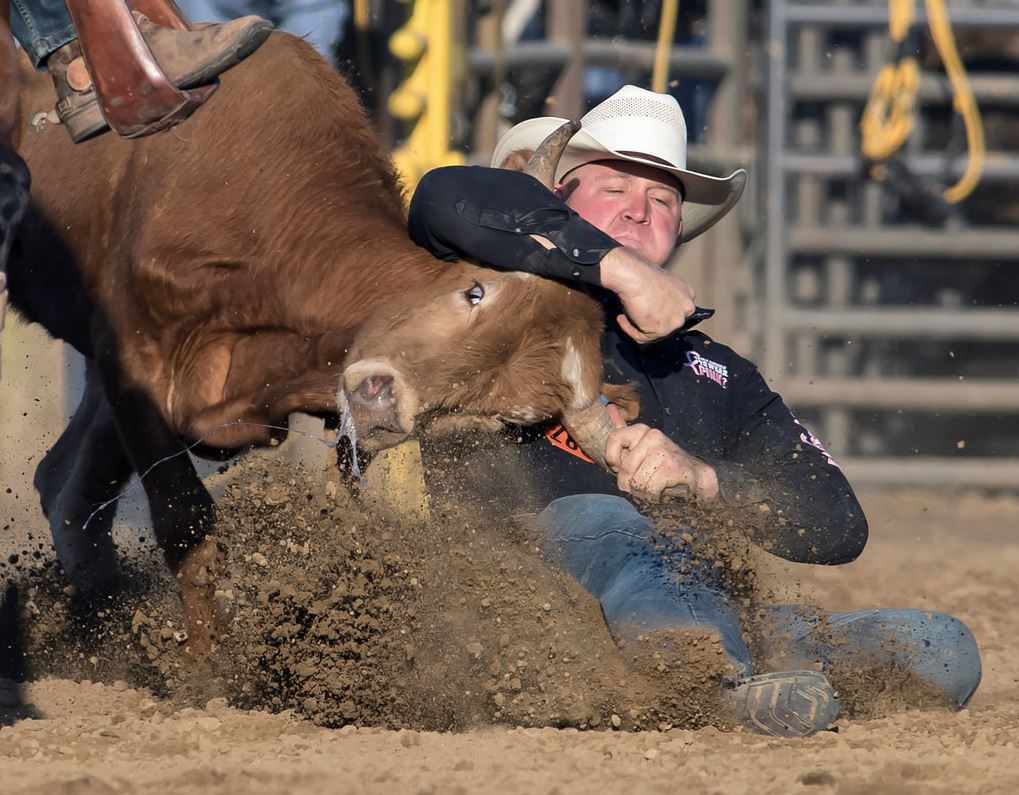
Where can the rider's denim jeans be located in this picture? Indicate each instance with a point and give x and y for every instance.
(614, 552)
(319, 22)
(41, 26)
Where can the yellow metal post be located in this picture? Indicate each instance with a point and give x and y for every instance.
(423, 101)
(395, 483)
(663, 49)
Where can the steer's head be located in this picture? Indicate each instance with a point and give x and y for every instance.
(479, 345)
(483, 347)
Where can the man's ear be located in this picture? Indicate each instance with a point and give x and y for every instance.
(515, 161)
(626, 397)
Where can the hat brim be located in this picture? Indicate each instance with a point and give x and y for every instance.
(706, 199)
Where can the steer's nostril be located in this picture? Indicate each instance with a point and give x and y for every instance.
(377, 388)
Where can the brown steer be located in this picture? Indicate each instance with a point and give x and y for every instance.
(216, 277)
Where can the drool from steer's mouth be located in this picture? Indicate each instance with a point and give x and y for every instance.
(348, 431)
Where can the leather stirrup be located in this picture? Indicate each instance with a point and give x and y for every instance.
(135, 96)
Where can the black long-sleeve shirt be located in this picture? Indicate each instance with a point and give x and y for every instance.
(703, 395)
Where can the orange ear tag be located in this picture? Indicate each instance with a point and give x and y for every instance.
(560, 437)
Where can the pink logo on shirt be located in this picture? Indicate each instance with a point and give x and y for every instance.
(808, 438)
(718, 373)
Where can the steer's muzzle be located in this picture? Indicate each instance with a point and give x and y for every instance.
(381, 404)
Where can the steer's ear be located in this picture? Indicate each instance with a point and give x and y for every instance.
(515, 161)
(626, 397)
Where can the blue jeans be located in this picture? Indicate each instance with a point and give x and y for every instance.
(616, 555)
(319, 22)
(41, 27)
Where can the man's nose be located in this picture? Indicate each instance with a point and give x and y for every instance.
(636, 209)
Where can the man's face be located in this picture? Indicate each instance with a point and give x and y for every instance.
(638, 205)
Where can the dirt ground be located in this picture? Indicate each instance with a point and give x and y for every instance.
(449, 659)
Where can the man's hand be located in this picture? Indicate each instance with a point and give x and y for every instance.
(647, 462)
(655, 301)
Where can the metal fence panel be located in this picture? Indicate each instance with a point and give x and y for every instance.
(897, 337)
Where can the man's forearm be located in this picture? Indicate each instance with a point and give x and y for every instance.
(496, 217)
(624, 271)
(807, 515)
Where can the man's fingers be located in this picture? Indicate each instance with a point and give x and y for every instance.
(650, 464)
(645, 481)
(614, 451)
(620, 440)
(633, 447)
(632, 331)
(628, 327)
(614, 415)
(630, 467)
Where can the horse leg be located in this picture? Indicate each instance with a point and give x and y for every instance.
(85, 468)
(182, 509)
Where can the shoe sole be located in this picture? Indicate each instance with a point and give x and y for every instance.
(786, 703)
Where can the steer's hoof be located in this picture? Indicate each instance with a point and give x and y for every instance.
(197, 578)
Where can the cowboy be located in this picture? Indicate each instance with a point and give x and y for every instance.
(188, 58)
(708, 423)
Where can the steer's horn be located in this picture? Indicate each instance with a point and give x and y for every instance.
(590, 427)
(545, 160)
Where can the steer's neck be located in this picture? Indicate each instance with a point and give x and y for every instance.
(355, 275)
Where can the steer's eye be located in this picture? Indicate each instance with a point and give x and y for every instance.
(475, 294)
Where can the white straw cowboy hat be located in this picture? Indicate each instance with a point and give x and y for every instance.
(637, 126)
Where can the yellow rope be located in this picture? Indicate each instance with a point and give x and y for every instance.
(888, 117)
(900, 18)
(663, 49)
(963, 100)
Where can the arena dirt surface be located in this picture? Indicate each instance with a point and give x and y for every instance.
(449, 659)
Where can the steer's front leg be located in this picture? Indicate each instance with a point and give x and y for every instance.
(183, 519)
(183, 513)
